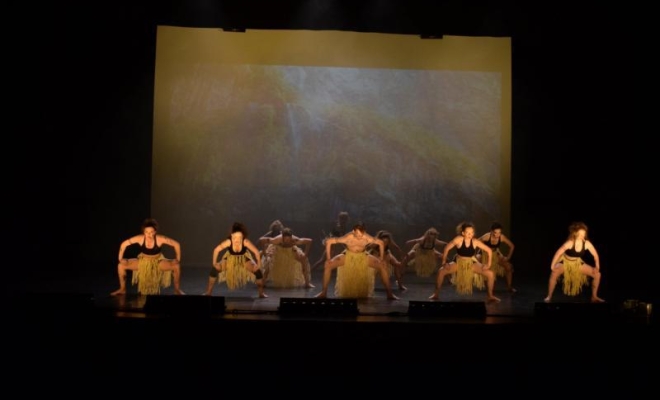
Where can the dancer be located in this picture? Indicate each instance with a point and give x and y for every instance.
(466, 265)
(569, 264)
(151, 269)
(240, 262)
(501, 264)
(355, 259)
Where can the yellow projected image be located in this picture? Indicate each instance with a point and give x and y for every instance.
(401, 132)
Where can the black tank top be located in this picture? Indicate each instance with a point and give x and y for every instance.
(494, 246)
(237, 253)
(152, 251)
(465, 251)
(572, 253)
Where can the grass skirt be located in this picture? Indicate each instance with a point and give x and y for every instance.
(284, 270)
(465, 278)
(573, 278)
(149, 278)
(425, 261)
(235, 273)
(495, 266)
(355, 279)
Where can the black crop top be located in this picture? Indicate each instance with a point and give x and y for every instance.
(150, 251)
(494, 246)
(465, 251)
(573, 253)
(237, 253)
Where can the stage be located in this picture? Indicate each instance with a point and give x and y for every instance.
(91, 290)
(370, 344)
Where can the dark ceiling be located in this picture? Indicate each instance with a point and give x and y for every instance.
(452, 17)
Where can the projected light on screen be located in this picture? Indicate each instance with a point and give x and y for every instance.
(244, 135)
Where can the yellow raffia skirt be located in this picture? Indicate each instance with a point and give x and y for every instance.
(355, 279)
(465, 278)
(495, 266)
(284, 270)
(573, 278)
(235, 273)
(149, 278)
(425, 261)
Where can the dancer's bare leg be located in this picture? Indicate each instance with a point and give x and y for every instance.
(595, 275)
(176, 277)
(327, 274)
(209, 286)
(260, 289)
(307, 272)
(508, 274)
(399, 272)
(123, 266)
(384, 277)
(213, 278)
(490, 284)
(552, 282)
(442, 272)
(321, 261)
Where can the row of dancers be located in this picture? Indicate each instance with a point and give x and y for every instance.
(281, 258)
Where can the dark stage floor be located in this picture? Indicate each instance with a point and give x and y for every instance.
(517, 307)
(524, 306)
(69, 330)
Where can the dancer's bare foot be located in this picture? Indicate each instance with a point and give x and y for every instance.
(118, 292)
(402, 288)
(321, 295)
(391, 296)
(547, 299)
(309, 286)
(597, 300)
(493, 299)
(178, 291)
(434, 296)
(263, 295)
